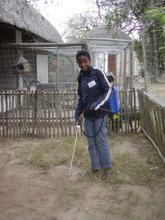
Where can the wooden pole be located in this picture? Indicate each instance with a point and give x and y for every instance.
(156, 56)
(120, 71)
(124, 68)
(145, 64)
(131, 65)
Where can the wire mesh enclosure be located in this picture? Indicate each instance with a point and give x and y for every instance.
(48, 109)
(53, 65)
(154, 49)
(114, 56)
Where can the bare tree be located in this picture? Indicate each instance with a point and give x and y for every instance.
(80, 25)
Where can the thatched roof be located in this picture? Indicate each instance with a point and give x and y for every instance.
(104, 32)
(21, 15)
(101, 40)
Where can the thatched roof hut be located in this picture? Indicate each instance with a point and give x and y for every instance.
(23, 16)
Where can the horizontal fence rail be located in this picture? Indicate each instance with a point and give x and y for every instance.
(50, 113)
(152, 120)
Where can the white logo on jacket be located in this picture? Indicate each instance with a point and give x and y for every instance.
(91, 84)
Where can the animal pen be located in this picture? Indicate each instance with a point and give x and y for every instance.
(48, 109)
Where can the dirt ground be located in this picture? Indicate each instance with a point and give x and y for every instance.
(34, 181)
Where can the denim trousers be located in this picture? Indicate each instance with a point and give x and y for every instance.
(97, 146)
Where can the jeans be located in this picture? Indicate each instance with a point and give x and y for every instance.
(97, 146)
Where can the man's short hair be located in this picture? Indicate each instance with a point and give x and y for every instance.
(83, 53)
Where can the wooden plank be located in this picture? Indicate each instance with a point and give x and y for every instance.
(163, 126)
(160, 127)
(57, 106)
(44, 113)
(16, 113)
(120, 109)
(64, 114)
(48, 115)
(33, 112)
(53, 114)
(125, 110)
(38, 114)
(13, 114)
(134, 110)
(1, 118)
(41, 115)
(20, 115)
(60, 114)
(68, 102)
(28, 112)
(38, 121)
(75, 99)
(6, 113)
(3, 112)
(24, 106)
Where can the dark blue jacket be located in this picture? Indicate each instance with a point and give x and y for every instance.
(94, 90)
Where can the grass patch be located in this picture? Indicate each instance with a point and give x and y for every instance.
(115, 203)
(128, 168)
(54, 152)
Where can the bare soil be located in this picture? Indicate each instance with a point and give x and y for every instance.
(34, 181)
(156, 88)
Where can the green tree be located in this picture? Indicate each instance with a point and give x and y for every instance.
(157, 15)
(126, 14)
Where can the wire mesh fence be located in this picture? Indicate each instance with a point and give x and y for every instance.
(54, 66)
(154, 41)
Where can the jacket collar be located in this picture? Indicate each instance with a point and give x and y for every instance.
(88, 71)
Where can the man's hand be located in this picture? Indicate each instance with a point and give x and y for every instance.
(93, 106)
(79, 119)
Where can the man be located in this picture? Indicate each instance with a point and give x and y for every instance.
(94, 91)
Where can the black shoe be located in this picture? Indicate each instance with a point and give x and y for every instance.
(95, 171)
(89, 172)
(106, 173)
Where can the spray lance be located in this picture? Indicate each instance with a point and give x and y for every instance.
(74, 147)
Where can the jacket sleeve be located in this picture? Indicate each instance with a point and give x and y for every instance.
(79, 108)
(106, 89)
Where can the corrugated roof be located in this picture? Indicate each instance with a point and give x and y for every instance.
(24, 16)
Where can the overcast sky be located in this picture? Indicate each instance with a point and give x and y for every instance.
(59, 11)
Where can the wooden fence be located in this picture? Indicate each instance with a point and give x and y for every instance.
(152, 120)
(51, 113)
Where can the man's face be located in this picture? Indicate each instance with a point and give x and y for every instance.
(84, 63)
